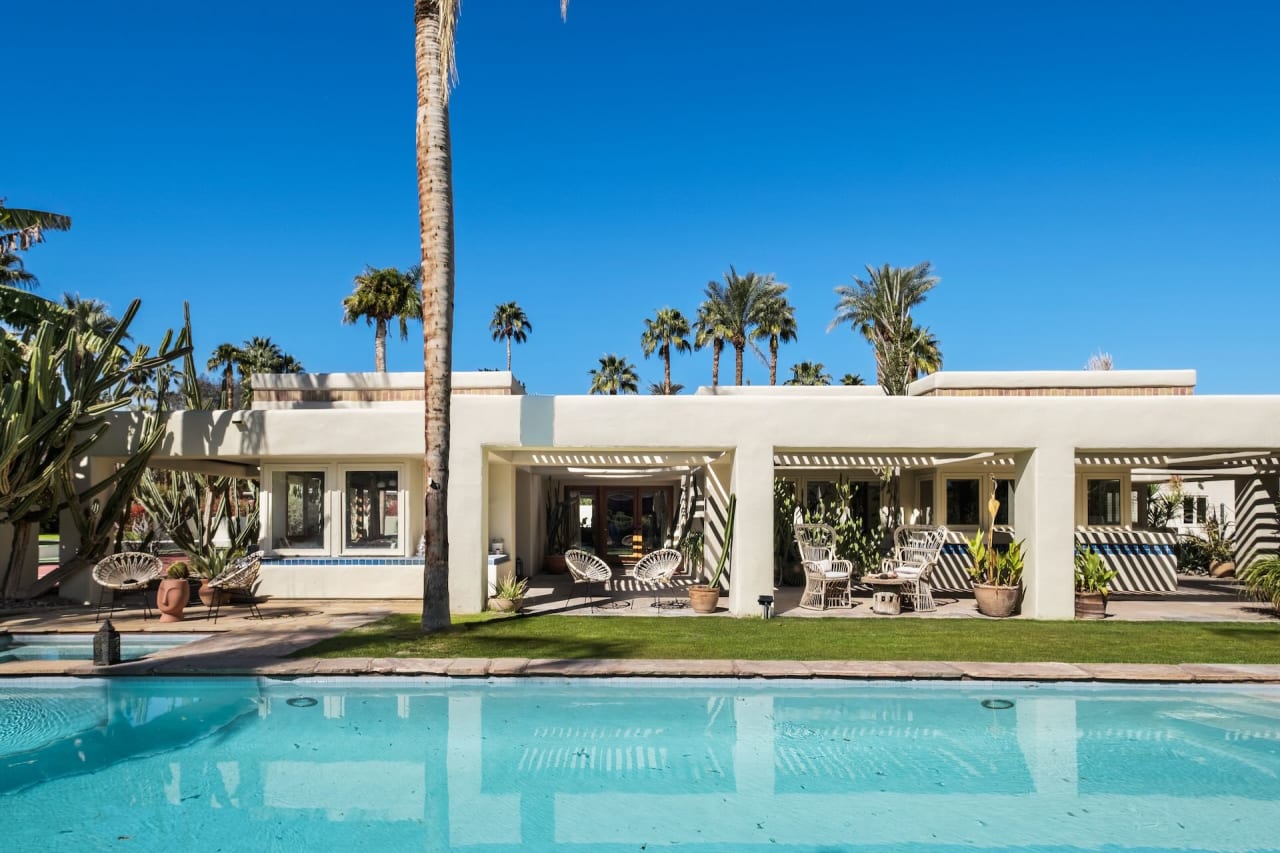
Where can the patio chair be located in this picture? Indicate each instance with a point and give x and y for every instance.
(827, 579)
(656, 569)
(916, 551)
(238, 580)
(586, 568)
(128, 571)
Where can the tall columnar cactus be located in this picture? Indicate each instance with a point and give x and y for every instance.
(59, 389)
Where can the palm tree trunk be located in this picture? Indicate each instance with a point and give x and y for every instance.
(508, 354)
(738, 351)
(229, 385)
(380, 345)
(435, 212)
(773, 359)
(716, 347)
(666, 368)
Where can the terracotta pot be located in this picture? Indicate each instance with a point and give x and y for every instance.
(209, 596)
(996, 601)
(704, 599)
(1091, 605)
(171, 598)
(1226, 569)
(554, 564)
(506, 605)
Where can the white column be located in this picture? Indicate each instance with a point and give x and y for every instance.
(1257, 530)
(468, 526)
(752, 554)
(502, 517)
(1044, 516)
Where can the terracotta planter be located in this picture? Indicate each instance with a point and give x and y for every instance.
(171, 598)
(209, 596)
(1091, 605)
(554, 564)
(704, 599)
(1226, 569)
(996, 601)
(506, 605)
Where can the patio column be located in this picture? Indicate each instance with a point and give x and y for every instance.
(752, 529)
(468, 523)
(1257, 529)
(502, 519)
(1044, 513)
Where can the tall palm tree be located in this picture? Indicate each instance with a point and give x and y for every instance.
(435, 23)
(614, 375)
(90, 315)
(879, 308)
(262, 355)
(668, 329)
(510, 323)
(740, 304)
(380, 296)
(926, 355)
(708, 331)
(226, 356)
(808, 373)
(20, 229)
(13, 273)
(778, 324)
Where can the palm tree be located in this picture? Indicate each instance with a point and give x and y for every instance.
(262, 355)
(435, 23)
(90, 315)
(852, 379)
(226, 357)
(20, 229)
(880, 309)
(666, 330)
(658, 389)
(509, 322)
(380, 296)
(740, 303)
(926, 356)
(808, 373)
(708, 330)
(14, 274)
(778, 324)
(614, 375)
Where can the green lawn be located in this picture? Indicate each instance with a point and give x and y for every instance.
(814, 639)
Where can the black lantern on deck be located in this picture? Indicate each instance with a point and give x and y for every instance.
(106, 645)
(766, 606)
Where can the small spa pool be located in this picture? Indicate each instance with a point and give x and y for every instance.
(15, 647)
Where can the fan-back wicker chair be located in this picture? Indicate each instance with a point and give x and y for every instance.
(827, 579)
(656, 569)
(238, 579)
(588, 569)
(916, 550)
(128, 571)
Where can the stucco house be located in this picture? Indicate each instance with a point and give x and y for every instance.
(1068, 454)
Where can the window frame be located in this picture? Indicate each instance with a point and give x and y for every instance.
(1120, 510)
(340, 496)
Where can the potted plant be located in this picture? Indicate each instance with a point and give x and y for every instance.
(175, 589)
(208, 566)
(508, 594)
(1093, 579)
(703, 598)
(1262, 580)
(997, 575)
(1220, 549)
(553, 559)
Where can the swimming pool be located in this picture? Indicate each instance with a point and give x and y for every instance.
(548, 764)
(80, 646)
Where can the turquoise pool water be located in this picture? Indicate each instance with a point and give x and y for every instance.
(80, 646)
(632, 765)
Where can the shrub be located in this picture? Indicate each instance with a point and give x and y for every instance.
(1262, 580)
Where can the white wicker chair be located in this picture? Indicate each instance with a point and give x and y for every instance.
(827, 579)
(128, 571)
(587, 568)
(656, 569)
(239, 578)
(916, 550)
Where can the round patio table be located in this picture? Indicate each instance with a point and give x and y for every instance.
(886, 594)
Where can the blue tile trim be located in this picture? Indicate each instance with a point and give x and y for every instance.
(1126, 549)
(342, 561)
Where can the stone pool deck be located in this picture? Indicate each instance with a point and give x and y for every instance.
(243, 646)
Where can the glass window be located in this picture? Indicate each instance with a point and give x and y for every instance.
(372, 503)
(924, 502)
(1004, 494)
(1103, 502)
(1188, 510)
(298, 509)
(962, 502)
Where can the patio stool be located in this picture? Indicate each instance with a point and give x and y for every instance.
(886, 602)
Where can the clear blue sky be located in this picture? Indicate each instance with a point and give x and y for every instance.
(1083, 176)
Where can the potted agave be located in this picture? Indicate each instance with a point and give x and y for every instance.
(1093, 579)
(704, 598)
(508, 594)
(997, 575)
(175, 589)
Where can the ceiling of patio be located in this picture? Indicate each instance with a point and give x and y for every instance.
(610, 464)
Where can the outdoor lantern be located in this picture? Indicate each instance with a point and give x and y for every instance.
(766, 605)
(106, 645)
